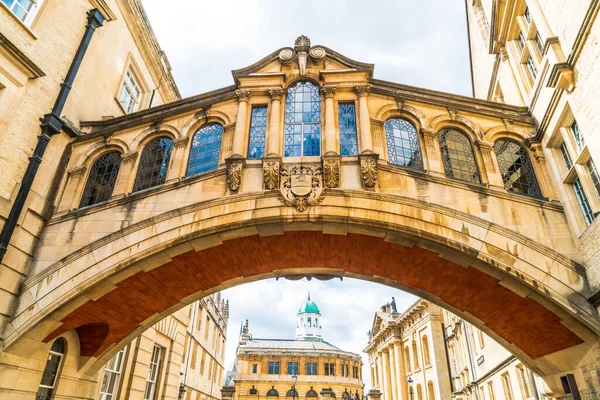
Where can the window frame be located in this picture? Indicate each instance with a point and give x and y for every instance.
(204, 167)
(274, 368)
(260, 129)
(147, 180)
(59, 364)
(132, 67)
(583, 201)
(389, 127)
(441, 135)
(352, 131)
(154, 368)
(292, 368)
(112, 181)
(117, 372)
(30, 15)
(534, 189)
(303, 124)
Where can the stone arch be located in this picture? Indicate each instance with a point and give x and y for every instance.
(309, 76)
(407, 237)
(443, 121)
(142, 139)
(97, 150)
(414, 115)
(502, 131)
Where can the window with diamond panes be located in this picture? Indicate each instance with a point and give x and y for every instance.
(583, 201)
(50, 374)
(516, 168)
(347, 120)
(458, 156)
(258, 131)
(403, 143)
(154, 163)
(206, 149)
(101, 180)
(302, 120)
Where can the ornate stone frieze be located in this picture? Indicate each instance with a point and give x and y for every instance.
(235, 169)
(271, 172)
(301, 186)
(331, 170)
(368, 168)
(242, 94)
(277, 93)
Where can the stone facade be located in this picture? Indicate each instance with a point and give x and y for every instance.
(232, 186)
(264, 369)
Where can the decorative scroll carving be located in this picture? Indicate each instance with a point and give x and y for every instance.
(302, 43)
(271, 173)
(362, 90)
(242, 94)
(329, 91)
(235, 168)
(286, 55)
(317, 53)
(368, 168)
(331, 170)
(301, 186)
(277, 93)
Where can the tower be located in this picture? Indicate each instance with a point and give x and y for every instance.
(308, 326)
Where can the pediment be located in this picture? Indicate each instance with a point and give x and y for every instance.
(302, 59)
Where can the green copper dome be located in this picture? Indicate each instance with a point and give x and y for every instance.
(309, 306)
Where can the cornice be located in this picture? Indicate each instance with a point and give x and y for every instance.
(23, 63)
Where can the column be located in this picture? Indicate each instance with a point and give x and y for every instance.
(380, 372)
(393, 380)
(330, 145)
(400, 372)
(387, 390)
(70, 196)
(123, 185)
(432, 151)
(177, 156)
(490, 163)
(544, 179)
(366, 142)
(239, 135)
(275, 133)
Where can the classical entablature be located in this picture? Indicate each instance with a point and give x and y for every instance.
(305, 155)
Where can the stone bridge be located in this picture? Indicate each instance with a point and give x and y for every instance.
(308, 166)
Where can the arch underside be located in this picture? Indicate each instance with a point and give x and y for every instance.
(526, 324)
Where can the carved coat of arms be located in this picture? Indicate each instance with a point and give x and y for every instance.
(301, 186)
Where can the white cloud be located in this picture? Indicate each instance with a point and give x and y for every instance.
(347, 309)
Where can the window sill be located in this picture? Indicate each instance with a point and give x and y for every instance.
(21, 23)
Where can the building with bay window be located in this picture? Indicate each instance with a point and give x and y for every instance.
(304, 367)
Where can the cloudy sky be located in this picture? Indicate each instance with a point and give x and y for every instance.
(420, 43)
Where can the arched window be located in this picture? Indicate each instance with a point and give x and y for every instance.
(253, 390)
(50, 374)
(407, 359)
(206, 149)
(419, 392)
(302, 120)
(516, 168)
(345, 395)
(309, 322)
(272, 392)
(415, 354)
(154, 164)
(425, 346)
(430, 391)
(101, 180)
(292, 393)
(311, 393)
(403, 143)
(316, 322)
(458, 156)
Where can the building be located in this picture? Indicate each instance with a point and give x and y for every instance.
(265, 368)
(38, 42)
(181, 357)
(544, 55)
(433, 354)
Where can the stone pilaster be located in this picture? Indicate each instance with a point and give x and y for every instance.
(394, 382)
(380, 381)
(400, 372)
(490, 163)
(273, 143)
(330, 142)
(366, 141)
(432, 151)
(387, 385)
(126, 177)
(72, 193)
(543, 175)
(239, 135)
(331, 170)
(177, 158)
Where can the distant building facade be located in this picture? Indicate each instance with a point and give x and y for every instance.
(181, 357)
(428, 353)
(264, 368)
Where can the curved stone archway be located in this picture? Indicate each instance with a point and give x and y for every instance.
(525, 295)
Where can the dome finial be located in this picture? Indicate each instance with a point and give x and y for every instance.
(309, 296)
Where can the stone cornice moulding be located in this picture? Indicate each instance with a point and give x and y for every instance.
(104, 9)
(21, 61)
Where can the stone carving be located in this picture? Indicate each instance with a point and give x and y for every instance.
(302, 43)
(286, 55)
(235, 167)
(362, 90)
(301, 186)
(331, 171)
(277, 93)
(368, 168)
(242, 94)
(271, 174)
(317, 53)
(329, 91)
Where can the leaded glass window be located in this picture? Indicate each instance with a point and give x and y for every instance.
(272, 392)
(50, 374)
(403, 143)
(292, 393)
(583, 201)
(206, 149)
(101, 180)
(566, 156)
(347, 120)
(154, 164)
(253, 390)
(579, 141)
(458, 156)
(311, 393)
(593, 174)
(258, 131)
(531, 67)
(302, 120)
(516, 168)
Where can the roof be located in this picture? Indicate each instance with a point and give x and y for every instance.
(291, 344)
(309, 306)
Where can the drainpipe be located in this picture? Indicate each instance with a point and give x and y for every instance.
(51, 125)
